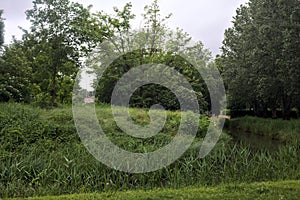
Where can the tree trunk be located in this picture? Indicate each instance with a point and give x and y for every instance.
(53, 87)
(274, 113)
(255, 108)
(264, 110)
(286, 107)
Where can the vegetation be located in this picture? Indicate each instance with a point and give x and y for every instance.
(154, 43)
(42, 66)
(265, 190)
(61, 33)
(285, 131)
(260, 59)
(1, 28)
(41, 155)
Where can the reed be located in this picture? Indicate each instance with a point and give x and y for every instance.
(41, 154)
(283, 130)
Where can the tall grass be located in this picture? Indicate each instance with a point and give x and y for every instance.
(53, 161)
(283, 130)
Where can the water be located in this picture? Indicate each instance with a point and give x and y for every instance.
(255, 142)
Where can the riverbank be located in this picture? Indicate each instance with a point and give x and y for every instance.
(264, 190)
(41, 154)
(285, 131)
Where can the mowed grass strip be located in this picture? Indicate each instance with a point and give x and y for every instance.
(263, 190)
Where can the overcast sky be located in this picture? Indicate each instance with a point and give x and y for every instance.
(204, 20)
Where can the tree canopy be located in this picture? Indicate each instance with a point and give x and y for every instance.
(260, 58)
(154, 42)
(1, 28)
(63, 33)
(259, 62)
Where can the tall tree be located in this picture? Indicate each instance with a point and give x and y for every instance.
(1, 28)
(261, 56)
(61, 33)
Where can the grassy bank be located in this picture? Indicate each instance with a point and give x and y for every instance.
(266, 190)
(278, 129)
(41, 154)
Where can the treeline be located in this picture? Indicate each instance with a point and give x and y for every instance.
(42, 67)
(260, 59)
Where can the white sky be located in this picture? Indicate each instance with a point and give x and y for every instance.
(204, 20)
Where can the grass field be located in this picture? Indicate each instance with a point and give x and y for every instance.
(41, 155)
(265, 190)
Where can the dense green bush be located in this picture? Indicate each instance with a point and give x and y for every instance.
(24, 125)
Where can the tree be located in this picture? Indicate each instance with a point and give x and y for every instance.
(61, 33)
(1, 28)
(261, 57)
(15, 73)
(236, 61)
(155, 42)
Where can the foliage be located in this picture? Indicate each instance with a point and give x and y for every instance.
(261, 57)
(17, 122)
(61, 33)
(15, 74)
(1, 28)
(277, 129)
(41, 68)
(154, 43)
(41, 154)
